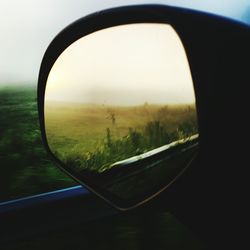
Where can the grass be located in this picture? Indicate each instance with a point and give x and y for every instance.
(25, 166)
(85, 136)
(93, 136)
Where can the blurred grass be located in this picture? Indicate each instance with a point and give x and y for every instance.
(25, 166)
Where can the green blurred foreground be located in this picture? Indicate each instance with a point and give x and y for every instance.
(25, 166)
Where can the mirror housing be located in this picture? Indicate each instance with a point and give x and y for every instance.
(213, 69)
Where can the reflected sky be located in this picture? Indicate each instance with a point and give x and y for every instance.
(123, 65)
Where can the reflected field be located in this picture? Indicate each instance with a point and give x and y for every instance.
(94, 137)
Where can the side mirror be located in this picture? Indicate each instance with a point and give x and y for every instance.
(119, 100)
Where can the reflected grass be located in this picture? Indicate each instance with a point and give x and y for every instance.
(92, 137)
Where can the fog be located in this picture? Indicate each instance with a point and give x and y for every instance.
(123, 65)
(27, 27)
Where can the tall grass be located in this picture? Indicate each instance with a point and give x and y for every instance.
(130, 131)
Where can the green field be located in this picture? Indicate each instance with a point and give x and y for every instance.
(79, 133)
(25, 166)
(93, 136)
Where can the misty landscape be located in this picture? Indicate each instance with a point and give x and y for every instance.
(86, 136)
(93, 136)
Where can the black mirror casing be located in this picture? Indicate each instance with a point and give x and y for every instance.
(218, 53)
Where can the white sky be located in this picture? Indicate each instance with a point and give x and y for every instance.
(28, 26)
(123, 65)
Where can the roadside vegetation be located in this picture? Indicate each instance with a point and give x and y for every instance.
(26, 168)
(92, 137)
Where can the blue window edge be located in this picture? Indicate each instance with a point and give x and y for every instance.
(48, 197)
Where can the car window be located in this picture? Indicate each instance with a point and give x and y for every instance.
(27, 27)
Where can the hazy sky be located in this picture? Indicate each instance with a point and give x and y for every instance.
(28, 26)
(123, 65)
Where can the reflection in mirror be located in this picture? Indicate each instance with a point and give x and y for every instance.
(120, 109)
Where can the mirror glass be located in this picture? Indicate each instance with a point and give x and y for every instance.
(120, 109)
